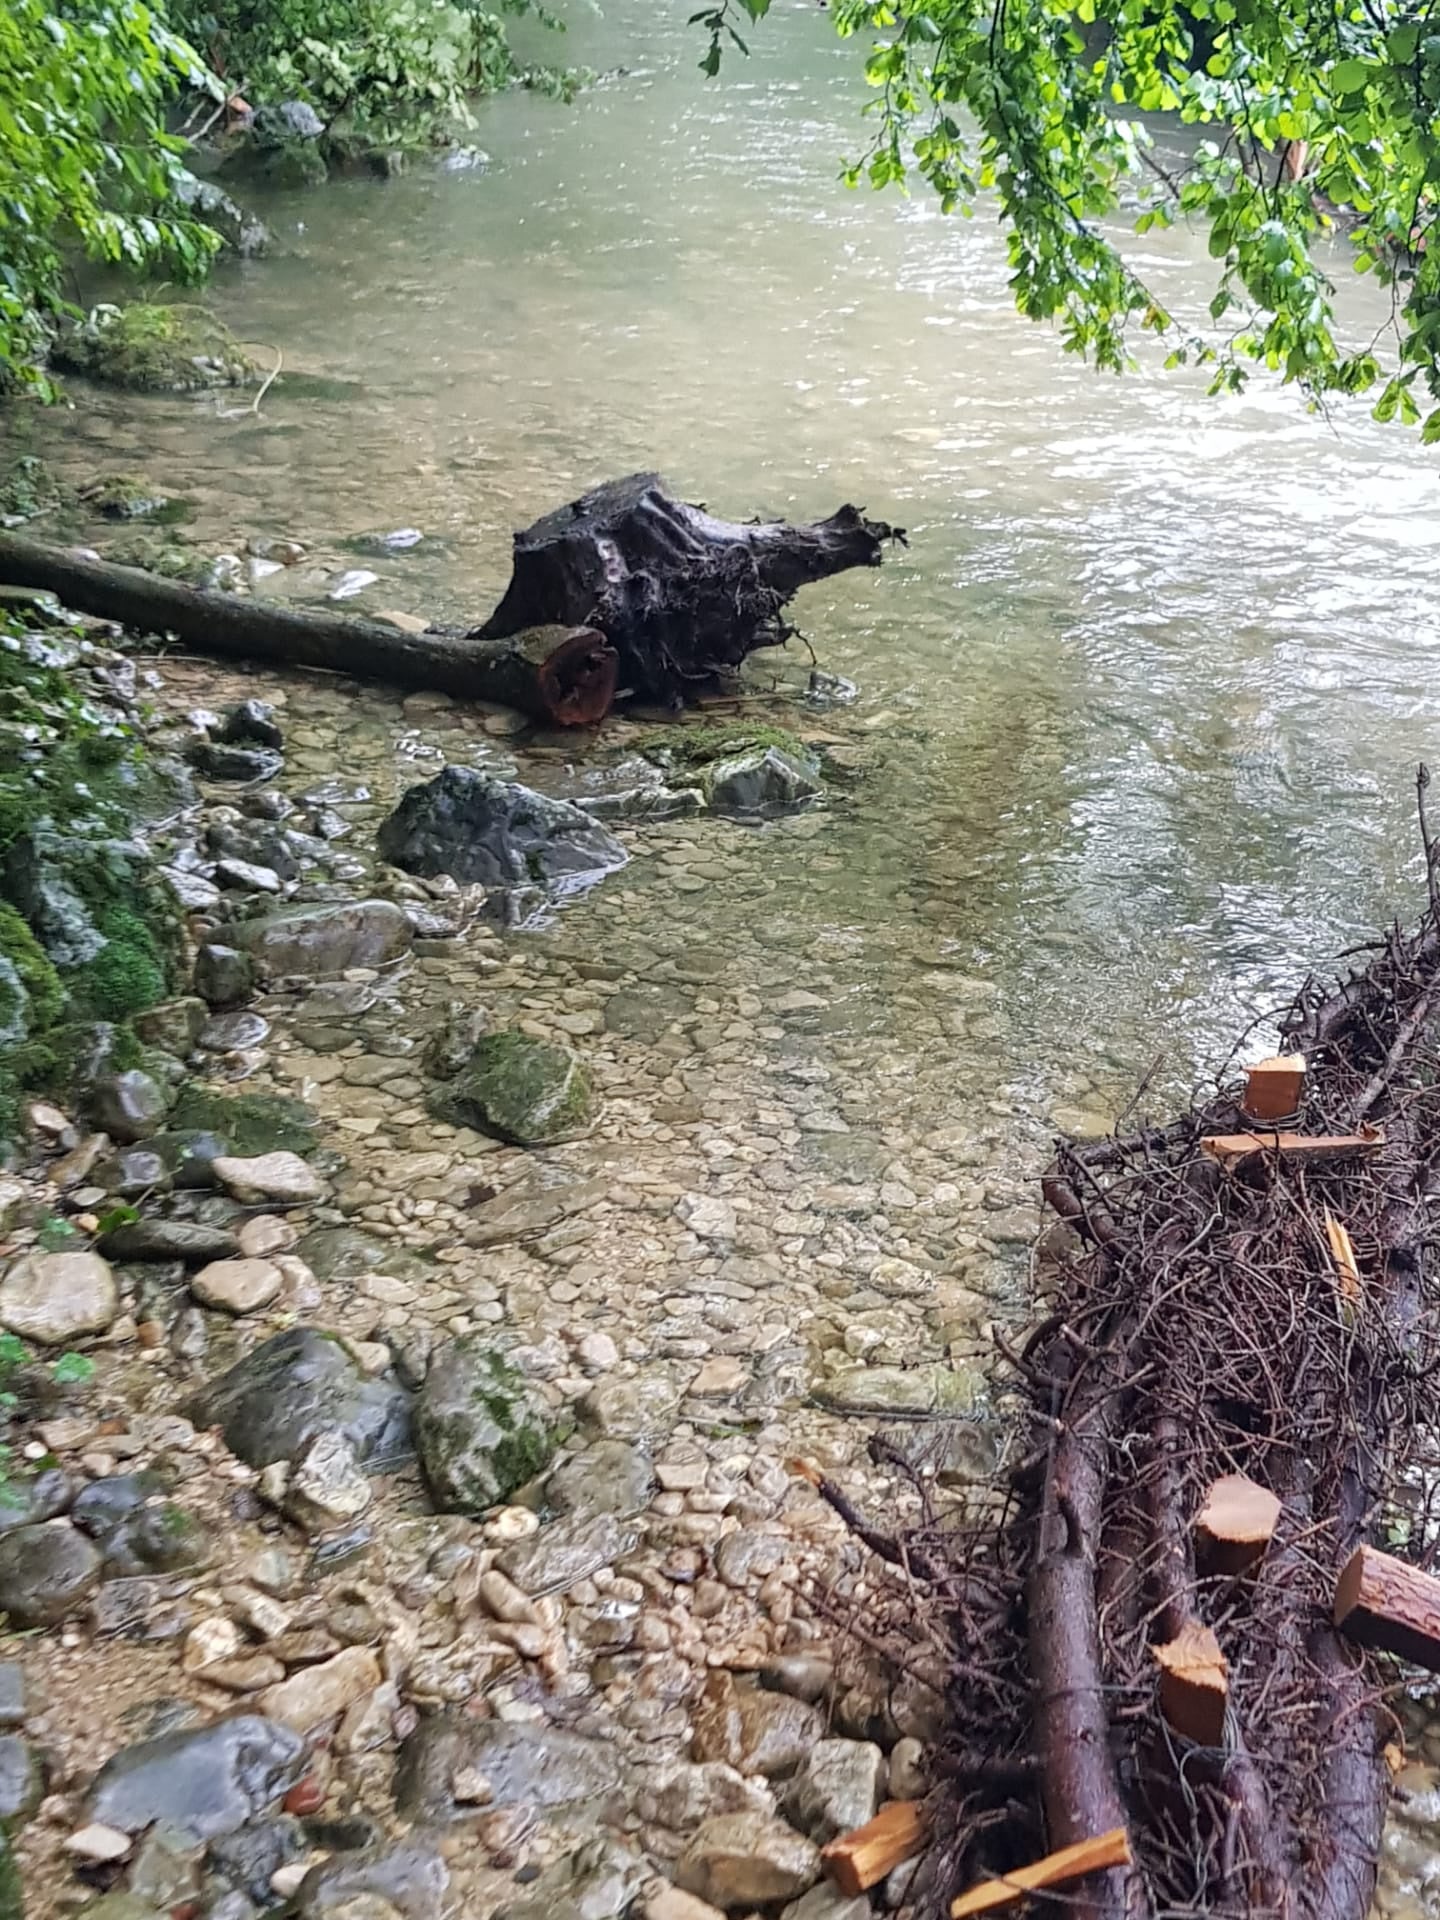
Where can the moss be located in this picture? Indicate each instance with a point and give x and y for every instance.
(39, 979)
(167, 555)
(120, 496)
(695, 746)
(130, 973)
(155, 349)
(29, 489)
(249, 1123)
(518, 1088)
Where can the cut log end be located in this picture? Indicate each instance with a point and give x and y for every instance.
(1194, 1684)
(1390, 1606)
(861, 1858)
(1236, 1524)
(1273, 1088)
(577, 678)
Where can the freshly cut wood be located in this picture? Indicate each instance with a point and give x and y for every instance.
(1194, 1684)
(563, 675)
(1347, 1268)
(1273, 1087)
(1070, 1863)
(1236, 1524)
(683, 597)
(1228, 1148)
(861, 1858)
(1391, 1606)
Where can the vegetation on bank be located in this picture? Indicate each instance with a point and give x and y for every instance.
(90, 90)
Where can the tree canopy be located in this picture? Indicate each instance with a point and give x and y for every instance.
(1314, 122)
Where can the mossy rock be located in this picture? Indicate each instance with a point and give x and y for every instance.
(167, 554)
(155, 349)
(481, 1429)
(28, 490)
(33, 977)
(249, 1123)
(683, 746)
(518, 1088)
(121, 496)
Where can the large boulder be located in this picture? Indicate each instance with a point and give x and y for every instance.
(326, 938)
(296, 1386)
(496, 833)
(102, 915)
(198, 1782)
(481, 1429)
(519, 1088)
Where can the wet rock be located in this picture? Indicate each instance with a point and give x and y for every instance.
(534, 1765)
(28, 1498)
(752, 1730)
(245, 876)
(828, 1903)
(249, 1123)
(12, 1694)
(552, 1560)
(299, 1384)
(233, 1032)
(327, 938)
(99, 1508)
(761, 781)
(839, 1786)
(156, 1539)
(598, 1881)
(224, 976)
(57, 879)
(495, 833)
(165, 1870)
(682, 1793)
(237, 1286)
(128, 1106)
(200, 1782)
(172, 1026)
(904, 1390)
(316, 1694)
(215, 761)
(907, 1778)
(47, 1572)
(249, 1858)
(348, 1253)
(641, 1408)
(328, 1487)
(242, 231)
(741, 1860)
(133, 1172)
(519, 1088)
(808, 1676)
(250, 723)
(282, 1178)
(481, 1429)
(411, 1879)
(22, 1778)
(54, 1298)
(157, 1239)
(608, 1476)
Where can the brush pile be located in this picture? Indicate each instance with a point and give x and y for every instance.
(1230, 1394)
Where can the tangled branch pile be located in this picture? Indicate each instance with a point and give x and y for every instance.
(1200, 1327)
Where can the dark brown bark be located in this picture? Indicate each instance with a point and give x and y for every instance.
(682, 596)
(564, 676)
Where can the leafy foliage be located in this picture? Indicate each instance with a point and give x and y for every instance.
(1311, 120)
(84, 158)
(375, 64)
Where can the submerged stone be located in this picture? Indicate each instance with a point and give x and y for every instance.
(496, 833)
(481, 1429)
(297, 1385)
(763, 780)
(519, 1088)
(328, 938)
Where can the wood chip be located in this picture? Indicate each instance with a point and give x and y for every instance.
(1070, 1863)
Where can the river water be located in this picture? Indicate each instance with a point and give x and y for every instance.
(1139, 708)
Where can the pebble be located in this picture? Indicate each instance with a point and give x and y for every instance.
(320, 1693)
(282, 1177)
(237, 1286)
(264, 1234)
(99, 1845)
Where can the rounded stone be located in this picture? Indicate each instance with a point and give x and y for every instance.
(53, 1298)
(237, 1286)
(128, 1106)
(46, 1573)
(281, 1177)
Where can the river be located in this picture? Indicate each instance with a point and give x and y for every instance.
(1140, 706)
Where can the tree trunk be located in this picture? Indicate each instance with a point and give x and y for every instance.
(562, 675)
(681, 596)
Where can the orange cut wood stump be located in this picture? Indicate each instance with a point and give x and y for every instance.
(1274, 1087)
(1388, 1605)
(1236, 1524)
(1070, 1863)
(1194, 1684)
(860, 1859)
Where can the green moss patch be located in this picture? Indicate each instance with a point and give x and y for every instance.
(249, 1123)
(696, 746)
(155, 349)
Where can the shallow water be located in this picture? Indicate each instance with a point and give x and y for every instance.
(1147, 690)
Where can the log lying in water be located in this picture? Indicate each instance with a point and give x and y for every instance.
(563, 675)
(681, 596)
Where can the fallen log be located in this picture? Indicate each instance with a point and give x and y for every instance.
(682, 596)
(562, 675)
